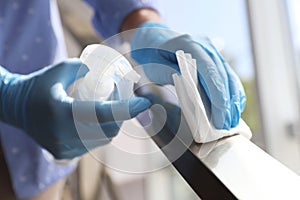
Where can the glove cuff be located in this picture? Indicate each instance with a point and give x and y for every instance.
(151, 35)
(153, 25)
(8, 98)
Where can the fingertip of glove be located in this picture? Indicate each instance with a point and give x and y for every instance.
(81, 68)
(235, 114)
(138, 105)
(75, 61)
(227, 123)
(222, 120)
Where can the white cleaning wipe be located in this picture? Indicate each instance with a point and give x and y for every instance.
(192, 106)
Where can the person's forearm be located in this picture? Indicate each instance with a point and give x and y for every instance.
(138, 17)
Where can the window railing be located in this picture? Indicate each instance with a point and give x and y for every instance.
(231, 168)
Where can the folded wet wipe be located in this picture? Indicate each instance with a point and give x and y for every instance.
(192, 106)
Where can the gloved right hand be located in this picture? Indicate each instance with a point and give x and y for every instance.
(38, 104)
(154, 45)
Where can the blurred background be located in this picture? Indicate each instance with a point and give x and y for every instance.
(261, 41)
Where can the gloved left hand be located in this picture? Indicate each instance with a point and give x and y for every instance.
(154, 45)
(38, 104)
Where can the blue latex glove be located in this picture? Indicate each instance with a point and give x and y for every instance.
(38, 104)
(154, 46)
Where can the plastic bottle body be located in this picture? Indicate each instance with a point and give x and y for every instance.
(107, 69)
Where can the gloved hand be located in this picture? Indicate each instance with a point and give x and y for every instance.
(153, 46)
(38, 104)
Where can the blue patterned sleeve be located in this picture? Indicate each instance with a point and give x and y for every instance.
(109, 14)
